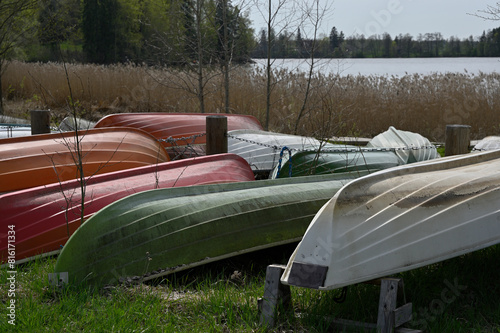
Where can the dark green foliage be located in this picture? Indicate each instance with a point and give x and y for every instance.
(377, 46)
(99, 20)
(172, 32)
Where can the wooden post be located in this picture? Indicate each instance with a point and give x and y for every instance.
(216, 135)
(390, 318)
(40, 121)
(457, 140)
(276, 296)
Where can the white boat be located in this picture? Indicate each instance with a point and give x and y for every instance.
(409, 147)
(72, 123)
(488, 143)
(400, 219)
(11, 127)
(262, 149)
(14, 130)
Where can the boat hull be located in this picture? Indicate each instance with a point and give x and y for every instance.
(400, 219)
(159, 232)
(179, 130)
(409, 147)
(262, 149)
(50, 158)
(46, 216)
(14, 130)
(303, 163)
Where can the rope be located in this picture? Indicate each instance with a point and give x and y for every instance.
(188, 147)
(337, 149)
(7, 126)
(289, 164)
(342, 297)
(181, 150)
(175, 140)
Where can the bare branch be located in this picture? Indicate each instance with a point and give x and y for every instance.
(491, 13)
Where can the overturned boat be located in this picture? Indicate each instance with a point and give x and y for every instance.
(43, 159)
(45, 216)
(488, 143)
(14, 130)
(159, 232)
(182, 134)
(400, 219)
(388, 149)
(263, 149)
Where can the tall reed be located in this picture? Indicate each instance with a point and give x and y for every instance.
(338, 105)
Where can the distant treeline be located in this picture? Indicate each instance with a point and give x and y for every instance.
(336, 45)
(209, 32)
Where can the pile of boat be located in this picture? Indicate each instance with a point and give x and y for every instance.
(134, 196)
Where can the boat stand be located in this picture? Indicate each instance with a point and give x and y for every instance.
(390, 318)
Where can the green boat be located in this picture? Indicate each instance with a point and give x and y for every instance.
(352, 159)
(158, 232)
(387, 150)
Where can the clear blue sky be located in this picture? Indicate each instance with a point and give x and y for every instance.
(368, 17)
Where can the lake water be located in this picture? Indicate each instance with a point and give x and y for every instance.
(391, 66)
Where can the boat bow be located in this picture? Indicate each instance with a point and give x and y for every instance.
(400, 219)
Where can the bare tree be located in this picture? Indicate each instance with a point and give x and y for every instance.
(314, 14)
(15, 22)
(278, 16)
(228, 24)
(492, 12)
(208, 42)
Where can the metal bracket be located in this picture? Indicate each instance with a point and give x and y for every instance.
(58, 279)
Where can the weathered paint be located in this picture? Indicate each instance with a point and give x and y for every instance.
(404, 218)
(162, 231)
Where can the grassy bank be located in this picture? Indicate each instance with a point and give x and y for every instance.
(353, 105)
(458, 295)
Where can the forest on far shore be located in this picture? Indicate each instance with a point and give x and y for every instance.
(183, 33)
(336, 45)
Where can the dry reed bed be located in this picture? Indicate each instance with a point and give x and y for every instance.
(351, 105)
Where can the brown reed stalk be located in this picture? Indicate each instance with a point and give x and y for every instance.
(368, 104)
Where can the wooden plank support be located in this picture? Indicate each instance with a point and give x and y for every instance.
(216, 127)
(390, 317)
(40, 121)
(457, 140)
(276, 296)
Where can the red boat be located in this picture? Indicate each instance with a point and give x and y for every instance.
(36, 160)
(44, 217)
(181, 130)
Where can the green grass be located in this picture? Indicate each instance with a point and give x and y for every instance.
(458, 295)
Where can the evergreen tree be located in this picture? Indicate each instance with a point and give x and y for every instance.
(50, 29)
(190, 41)
(15, 25)
(299, 44)
(334, 39)
(99, 20)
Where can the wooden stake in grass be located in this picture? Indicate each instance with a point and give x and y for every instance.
(216, 127)
(40, 121)
(457, 140)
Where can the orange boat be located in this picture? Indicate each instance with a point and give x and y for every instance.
(50, 158)
(180, 130)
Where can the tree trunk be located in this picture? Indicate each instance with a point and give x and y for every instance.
(226, 58)
(199, 41)
(268, 68)
(1, 90)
